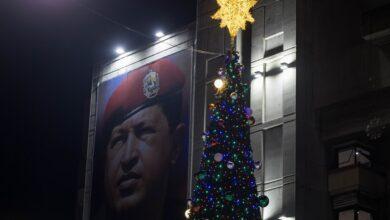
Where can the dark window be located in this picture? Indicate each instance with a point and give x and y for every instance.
(354, 215)
(353, 156)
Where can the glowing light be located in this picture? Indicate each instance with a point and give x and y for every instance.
(257, 74)
(286, 218)
(119, 50)
(284, 66)
(159, 34)
(234, 14)
(187, 214)
(218, 83)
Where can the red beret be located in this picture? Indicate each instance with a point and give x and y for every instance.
(143, 87)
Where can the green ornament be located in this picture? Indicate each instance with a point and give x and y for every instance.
(263, 201)
(201, 176)
(229, 197)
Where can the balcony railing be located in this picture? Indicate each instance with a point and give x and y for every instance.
(356, 179)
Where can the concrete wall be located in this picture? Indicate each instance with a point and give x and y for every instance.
(344, 64)
(267, 43)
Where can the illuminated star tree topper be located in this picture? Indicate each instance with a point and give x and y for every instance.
(234, 14)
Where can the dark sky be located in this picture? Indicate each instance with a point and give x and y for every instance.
(48, 49)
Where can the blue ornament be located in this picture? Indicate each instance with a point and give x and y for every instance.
(227, 59)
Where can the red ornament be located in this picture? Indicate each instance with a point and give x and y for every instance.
(251, 120)
(220, 123)
(195, 209)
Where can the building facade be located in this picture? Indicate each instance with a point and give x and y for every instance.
(342, 84)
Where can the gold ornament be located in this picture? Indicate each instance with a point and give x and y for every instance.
(234, 95)
(212, 106)
(234, 14)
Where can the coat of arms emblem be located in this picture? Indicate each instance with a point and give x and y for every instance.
(151, 84)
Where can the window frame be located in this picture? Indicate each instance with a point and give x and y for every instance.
(356, 211)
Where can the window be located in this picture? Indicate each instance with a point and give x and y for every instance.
(273, 97)
(353, 156)
(347, 215)
(354, 215)
(363, 215)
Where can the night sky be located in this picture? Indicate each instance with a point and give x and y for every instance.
(48, 49)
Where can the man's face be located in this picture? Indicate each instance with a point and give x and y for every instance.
(138, 157)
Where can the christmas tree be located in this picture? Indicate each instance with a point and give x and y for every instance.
(225, 186)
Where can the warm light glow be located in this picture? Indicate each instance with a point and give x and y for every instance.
(218, 83)
(119, 50)
(187, 213)
(286, 218)
(159, 34)
(283, 66)
(257, 74)
(234, 14)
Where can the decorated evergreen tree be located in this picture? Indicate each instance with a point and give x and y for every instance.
(225, 186)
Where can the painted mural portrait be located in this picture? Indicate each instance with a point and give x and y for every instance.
(141, 144)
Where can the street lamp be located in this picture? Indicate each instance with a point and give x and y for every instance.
(159, 34)
(119, 50)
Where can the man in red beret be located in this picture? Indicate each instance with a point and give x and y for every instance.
(142, 137)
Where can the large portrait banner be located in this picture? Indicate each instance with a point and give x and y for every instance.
(141, 143)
